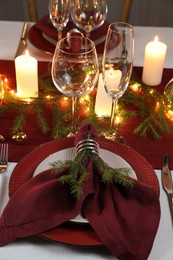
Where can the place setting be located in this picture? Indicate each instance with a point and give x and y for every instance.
(86, 142)
(66, 17)
(101, 179)
(26, 174)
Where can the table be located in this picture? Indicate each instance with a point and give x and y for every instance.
(35, 247)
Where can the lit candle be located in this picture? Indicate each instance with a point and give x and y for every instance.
(26, 76)
(112, 79)
(103, 102)
(154, 58)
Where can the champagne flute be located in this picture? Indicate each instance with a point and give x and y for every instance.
(59, 14)
(75, 69)
(117, 66)
(89, 14)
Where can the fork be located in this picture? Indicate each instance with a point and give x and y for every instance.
(3, 157)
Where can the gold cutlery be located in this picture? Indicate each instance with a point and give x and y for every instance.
(22, 42)
(3, 157)
(167, 181)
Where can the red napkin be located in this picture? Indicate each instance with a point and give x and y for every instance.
(46, 27)
(125, 220)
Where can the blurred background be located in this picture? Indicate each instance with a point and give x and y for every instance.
(143, 12)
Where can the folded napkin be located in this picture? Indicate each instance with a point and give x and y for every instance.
(46, 27)
(125, 220)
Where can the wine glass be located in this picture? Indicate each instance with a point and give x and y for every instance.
(59, 14)
(88, 14)
(75, 69)
(117, 66)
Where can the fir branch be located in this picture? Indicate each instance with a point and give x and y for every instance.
(60, 166)
(19, 120)
(41, 120)
(76, 172)
(58, 128)
(111, 175)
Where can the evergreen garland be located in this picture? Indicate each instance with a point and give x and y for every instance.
(147, 104)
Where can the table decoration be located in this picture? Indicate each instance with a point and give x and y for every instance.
(142, 198)
(154, 58)
(103, 102)
(50, 110)
(146, 103)
(26, 76)
(2, 138)
(19, 137)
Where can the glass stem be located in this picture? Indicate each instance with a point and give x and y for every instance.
(87, 34)
(113, 109)
(59, 34)
(74, 99)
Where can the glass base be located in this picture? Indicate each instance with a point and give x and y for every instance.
(71, 134)
(114, 136)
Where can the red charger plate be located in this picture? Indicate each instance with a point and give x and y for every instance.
(79, 233)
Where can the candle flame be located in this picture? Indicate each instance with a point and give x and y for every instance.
(111, 71)
(156, 39)
(27, 53)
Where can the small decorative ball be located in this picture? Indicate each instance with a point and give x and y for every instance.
(20, 137)
(2, 138)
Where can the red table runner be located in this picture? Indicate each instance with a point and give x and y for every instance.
(152, 150)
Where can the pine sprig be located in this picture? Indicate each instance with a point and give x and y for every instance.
(149, 105)
(41, 120)
(58, 123)
(111, 175)
(76, 173)
(20, 120)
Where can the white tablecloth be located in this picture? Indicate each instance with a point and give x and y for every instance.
(35, 248)
(10, 35)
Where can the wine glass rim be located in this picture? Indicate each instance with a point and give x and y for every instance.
(122, 24)
(91, 46)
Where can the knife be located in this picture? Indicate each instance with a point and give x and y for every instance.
(167, 181)
(22, 42)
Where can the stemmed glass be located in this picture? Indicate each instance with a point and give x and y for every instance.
(88, 14)
(75, 69)
(59, 14)
(117, 66)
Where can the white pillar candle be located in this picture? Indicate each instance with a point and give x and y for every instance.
(154, 58)
(103, 102)
(112, 79)
(26, 76)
